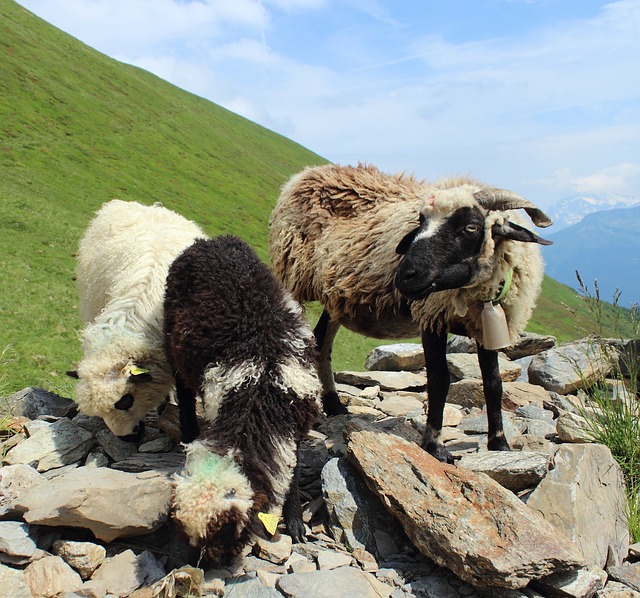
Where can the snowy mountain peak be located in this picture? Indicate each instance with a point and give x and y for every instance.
(572, 209)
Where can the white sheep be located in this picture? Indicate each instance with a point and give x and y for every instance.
(122, 267)
(337, 235)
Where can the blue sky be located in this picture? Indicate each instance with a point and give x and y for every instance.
(538, 96)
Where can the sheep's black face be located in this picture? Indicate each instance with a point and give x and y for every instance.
(442, 253)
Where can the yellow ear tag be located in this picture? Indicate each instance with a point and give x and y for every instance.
(269, 521)
(136, 371)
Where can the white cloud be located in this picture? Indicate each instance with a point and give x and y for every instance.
(621, 178)
(544, 111)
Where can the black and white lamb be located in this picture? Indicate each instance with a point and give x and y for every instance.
(338, 235)
(236, 337)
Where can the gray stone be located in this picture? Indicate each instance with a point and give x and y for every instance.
(115, 447)
(461, 344)
(34, 402)
(84, 557)
(519, 394)
(385, 380)
(14, 579)
(51, 446)
(396, 358)
(614, 589)
(399, 405)
(628, 574)
(345, 582)
(462, 366)
(161, 444)
(165, 463)
(91, 423)
(15, 539)
(584, 498)
(515, 470)
(249, 588)
(277, 550)
(571, 427)
(97, 458)
(583, 583)
(332, 559)
(51, 576)
(14, 480)
(569, 367)
(120, 576)
(466, 393)
(112, 504)
(354, 511)
(530, 344)
(493, 540)
(535, 412)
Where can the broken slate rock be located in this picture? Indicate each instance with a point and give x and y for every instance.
(15, 539)
(355, 513)
(344, 582)
(514, 470)
(124, 573)
(570, 367)
(51, 576)
(35, 401)
(385, 380)
(463, 365)
(583, 496)
(14, 579)
(14, 480)
(52, 445)
(398, 357)
(84, 557)
(493, 540)
(112, 504)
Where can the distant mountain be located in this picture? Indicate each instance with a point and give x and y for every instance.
(604, 246)
(572, 209)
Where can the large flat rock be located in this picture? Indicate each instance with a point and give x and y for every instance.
(463, 521)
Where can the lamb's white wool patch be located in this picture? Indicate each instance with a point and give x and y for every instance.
(285, 458)
(220, 380)
(209, 485)
(300, 378)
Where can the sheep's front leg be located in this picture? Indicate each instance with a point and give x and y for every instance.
(187, 411)
(492, 385)
(438, 380)
(292, 510)
(325, 333)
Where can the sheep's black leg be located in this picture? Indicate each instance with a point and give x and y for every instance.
(325, 333)
(492, 385)
(435, 354)
(292, 510)
(187, 411)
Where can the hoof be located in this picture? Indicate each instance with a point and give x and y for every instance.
(331, 404)
(438, 452)
(498, 443)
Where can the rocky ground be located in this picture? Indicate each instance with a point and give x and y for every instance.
(85, 514)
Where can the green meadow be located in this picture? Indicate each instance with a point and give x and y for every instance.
(78, 129)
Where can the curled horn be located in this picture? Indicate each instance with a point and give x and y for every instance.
(501, 199)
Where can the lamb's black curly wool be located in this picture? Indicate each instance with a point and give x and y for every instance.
(224, 309)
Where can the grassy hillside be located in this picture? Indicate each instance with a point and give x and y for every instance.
(78, 129)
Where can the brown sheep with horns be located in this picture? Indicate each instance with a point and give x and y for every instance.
(392, 257)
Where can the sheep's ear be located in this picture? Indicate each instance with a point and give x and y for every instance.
(72, 374)
(515, 232)
(406, 241)
(138, 374)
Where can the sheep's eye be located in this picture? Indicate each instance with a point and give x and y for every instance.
(125, 402)
(472, 228)
(230, 494)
